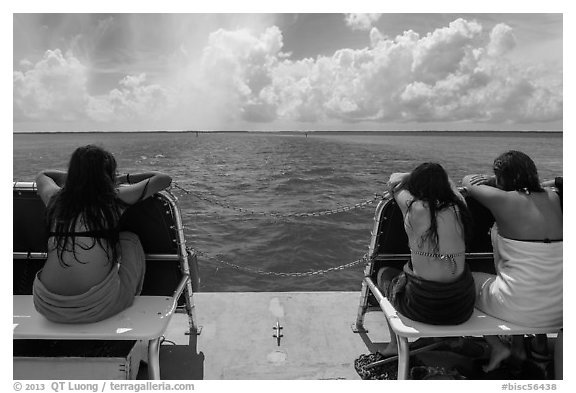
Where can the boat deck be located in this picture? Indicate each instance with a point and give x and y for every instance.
(236, 340)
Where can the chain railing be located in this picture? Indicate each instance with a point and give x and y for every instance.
(220, 260)
(276, 215)
(249, 269)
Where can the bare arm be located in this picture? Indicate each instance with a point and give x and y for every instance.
(556, 182)
(140, 186)
(476, 180)
(456, 191)
(49, 182)
(479, 188)
(396, 189)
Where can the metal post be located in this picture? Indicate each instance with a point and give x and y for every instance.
(403, 357)
(154, 358)
(358, 327)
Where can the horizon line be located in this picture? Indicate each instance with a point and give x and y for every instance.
(282, 131)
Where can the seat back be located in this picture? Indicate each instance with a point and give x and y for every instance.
(155, 220)
(30, 236)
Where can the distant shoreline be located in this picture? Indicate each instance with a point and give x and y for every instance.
(302, 133)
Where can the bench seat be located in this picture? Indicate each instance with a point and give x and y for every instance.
(479, 324)
(147, 319)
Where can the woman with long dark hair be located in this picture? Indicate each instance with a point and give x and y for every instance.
(93, 271)
(527, 243)
(435, 286)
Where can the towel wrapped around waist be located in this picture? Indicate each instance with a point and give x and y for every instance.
(113, 294)
(527, 289)
(432, 302)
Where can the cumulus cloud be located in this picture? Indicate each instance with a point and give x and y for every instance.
(502, 40)
(133, 100)
(361, 21)
(242, 64)
(55, 88)
(456, 73)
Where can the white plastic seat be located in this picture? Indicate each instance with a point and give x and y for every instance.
(479, 324)
(147, 319)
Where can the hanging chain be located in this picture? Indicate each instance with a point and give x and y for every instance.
(360, 205)
(218, 258)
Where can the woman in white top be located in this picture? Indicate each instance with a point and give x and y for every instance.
(527, 243)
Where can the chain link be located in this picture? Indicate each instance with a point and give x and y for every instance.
(343, 209)
(218, 258)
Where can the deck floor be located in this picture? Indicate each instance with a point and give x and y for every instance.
(237, 343)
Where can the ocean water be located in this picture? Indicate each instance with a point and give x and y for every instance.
(283, 174)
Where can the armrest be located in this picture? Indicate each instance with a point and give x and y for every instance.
(382, 301)
(179, 290)
(389, 311)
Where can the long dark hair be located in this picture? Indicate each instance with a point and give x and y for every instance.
(516, 171)
(429, 183)
(89, 195)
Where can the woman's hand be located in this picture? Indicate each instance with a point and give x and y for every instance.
(477, 180)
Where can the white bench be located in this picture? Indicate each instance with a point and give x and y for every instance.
(479, 324)
(147, 319)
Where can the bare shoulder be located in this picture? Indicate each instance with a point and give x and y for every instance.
(552, 195)
(403, 199)
(419, 207)
(552, 199)
(419, 212)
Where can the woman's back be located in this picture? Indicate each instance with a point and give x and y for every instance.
(73, 271)
(536, 216)
(451, 240)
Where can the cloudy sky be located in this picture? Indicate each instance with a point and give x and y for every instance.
(80, 72)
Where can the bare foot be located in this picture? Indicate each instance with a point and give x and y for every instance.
(498, 354)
